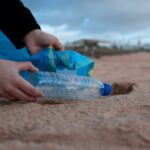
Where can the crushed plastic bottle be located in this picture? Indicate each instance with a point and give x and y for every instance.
(56, 86)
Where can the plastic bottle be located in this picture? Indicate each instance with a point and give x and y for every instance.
(56, 86)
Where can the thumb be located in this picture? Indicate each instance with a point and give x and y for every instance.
(27, 66)
(58, 45)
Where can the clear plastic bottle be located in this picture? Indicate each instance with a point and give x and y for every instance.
(56, 86)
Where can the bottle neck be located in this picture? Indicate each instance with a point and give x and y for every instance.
(107, 89)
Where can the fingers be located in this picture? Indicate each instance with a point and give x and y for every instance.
(19, 95)
(24, 90)
(9, 97)
(14, 93)
(27, 88)
(51, 40)
(6, 92)
(14, 86)
(21, 91)
(23, 66)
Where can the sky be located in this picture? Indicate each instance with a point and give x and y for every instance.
(113, 20)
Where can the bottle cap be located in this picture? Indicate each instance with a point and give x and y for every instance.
(107, 89)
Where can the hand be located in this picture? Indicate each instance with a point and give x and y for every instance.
(37, 40)
(12, 85)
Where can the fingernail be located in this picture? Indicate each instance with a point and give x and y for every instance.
(40, 94)
(37, 69)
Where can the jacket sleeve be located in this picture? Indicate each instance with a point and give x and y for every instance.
(16, 21)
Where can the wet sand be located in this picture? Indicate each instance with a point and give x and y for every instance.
(119, 122)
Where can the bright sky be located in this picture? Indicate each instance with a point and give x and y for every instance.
(115, 20)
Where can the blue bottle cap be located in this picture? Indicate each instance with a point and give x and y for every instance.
(107, 89)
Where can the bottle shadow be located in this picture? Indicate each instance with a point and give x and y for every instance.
(4, 101)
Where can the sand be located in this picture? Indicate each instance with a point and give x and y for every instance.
(118, 122)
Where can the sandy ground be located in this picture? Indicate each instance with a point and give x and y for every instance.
(120, 122)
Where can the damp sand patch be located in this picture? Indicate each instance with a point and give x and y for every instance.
(120, 88)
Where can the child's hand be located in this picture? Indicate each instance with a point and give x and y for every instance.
(12, 85)
(37, 40)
